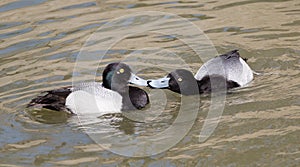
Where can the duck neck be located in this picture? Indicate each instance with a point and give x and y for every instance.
(200, 87)
(128, 103)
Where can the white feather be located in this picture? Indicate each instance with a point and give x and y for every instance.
(233, 69)
(246, 74)
(93, 98)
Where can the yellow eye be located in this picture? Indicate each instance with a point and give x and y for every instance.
(179, 79)
(121, 71)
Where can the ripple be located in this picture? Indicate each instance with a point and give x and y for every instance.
(23, 46)
(78, 6)
(229, 5)
(20, 4)
(15, 33)
(10, 25)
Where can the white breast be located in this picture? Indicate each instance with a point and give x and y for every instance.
(93, 98)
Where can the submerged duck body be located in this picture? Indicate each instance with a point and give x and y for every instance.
(111, 96)
(220, 73)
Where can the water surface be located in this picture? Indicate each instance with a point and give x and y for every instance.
(41, 39)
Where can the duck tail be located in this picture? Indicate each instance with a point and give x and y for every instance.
(53, 100)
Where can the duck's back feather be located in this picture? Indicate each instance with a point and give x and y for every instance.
(231, 66)
(53, 100)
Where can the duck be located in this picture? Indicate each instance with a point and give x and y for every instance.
(113, 95)
(223, 72)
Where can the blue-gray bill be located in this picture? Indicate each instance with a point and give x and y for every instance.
(134, 79)
(159, 83)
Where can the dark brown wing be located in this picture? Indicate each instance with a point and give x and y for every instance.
(53, 100)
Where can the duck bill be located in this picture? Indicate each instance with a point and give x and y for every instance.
(134, 79)
(159, 83)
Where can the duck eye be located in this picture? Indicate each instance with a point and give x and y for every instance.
(121, 71)
(179, 79)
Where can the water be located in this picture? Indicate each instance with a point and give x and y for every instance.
(40, 41)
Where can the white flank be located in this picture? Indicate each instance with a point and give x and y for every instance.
(101, 101)
(237, 70)
(247, 74)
